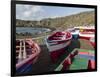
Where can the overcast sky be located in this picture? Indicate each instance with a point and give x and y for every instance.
(35, 12)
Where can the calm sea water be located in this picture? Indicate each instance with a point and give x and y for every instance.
(31, 30)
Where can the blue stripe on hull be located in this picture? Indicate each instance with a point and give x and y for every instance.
(25, 68)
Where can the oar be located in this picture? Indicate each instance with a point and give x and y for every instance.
(20, 52)
(24, 51)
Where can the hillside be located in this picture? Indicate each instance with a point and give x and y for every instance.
(80, 19)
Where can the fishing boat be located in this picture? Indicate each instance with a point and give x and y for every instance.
(57, 43)
(74, 32)
(78, 59)
(27, 52)
(83, 32)
(86, 32)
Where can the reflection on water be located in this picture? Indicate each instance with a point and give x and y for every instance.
(31, 30)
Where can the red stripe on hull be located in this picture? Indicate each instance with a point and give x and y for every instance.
(88, 30)
(82, 37)
(26, 61)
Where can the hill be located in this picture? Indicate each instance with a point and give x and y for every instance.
(80, 19)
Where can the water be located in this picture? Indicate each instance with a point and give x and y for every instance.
(31, 30)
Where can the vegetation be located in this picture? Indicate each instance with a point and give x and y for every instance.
(81, 19)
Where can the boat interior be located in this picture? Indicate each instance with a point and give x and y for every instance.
(24, 49)
(60, 36)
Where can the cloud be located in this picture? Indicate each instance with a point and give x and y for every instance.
(36, 12)
(28, 12)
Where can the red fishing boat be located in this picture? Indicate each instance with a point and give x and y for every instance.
(27, 52)
(57, 42)
(88, 33)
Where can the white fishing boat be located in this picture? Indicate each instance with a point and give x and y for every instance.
(87, 32)
(57, 42)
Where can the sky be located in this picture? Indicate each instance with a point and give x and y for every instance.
(37, 12)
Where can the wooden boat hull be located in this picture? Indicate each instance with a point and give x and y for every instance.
(24, 65)
(86, 36)
(58, 50)
(57, 47)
